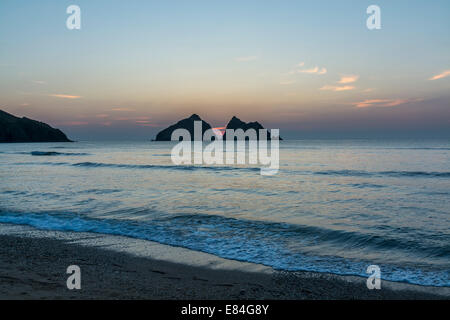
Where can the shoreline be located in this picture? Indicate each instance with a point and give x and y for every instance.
(33, 265)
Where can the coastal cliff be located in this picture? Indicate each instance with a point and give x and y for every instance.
(14, 129)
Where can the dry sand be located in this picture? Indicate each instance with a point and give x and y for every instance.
(33, 265)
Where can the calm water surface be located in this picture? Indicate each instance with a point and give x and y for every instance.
(334, 206)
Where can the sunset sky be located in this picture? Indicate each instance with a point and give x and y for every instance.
(310, 68)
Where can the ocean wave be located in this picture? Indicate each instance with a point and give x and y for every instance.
(54, 153)
(416, 174)
(279, 245)
(419, 148)
(346, 239)
(364, 185)
(89, 164)
(153, 166)
(358, 173)
(49, 153)
(345, 172)
(100, 191)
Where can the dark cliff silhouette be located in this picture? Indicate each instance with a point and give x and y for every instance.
(236, 123)
(188, 124)
(14, 129)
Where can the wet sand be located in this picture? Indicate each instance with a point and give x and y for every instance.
(33, 265)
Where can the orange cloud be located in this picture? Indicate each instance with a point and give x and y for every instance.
(121, 109)
(381, 102)
(74, 123)
(322, 71)
(337, 88)
(441, 75)
(315, 70)
(64, 96)
(348, 79)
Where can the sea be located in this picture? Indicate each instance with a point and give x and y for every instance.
(335, 206)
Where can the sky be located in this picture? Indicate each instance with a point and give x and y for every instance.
(309, 68)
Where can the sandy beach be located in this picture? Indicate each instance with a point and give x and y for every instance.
(33, 265)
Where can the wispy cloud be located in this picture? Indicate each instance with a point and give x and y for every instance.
(315, 70)
(337, 88)
(245, 59)
(348, 79)
(64, 96)
(344, 84)
(382, 102)
(122, 109)
(74, 123)
(39, 81)
(142, 121)
(146, 124)
(134, 119)
(441, 75)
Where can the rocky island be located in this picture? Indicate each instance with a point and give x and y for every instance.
(236, 123)
(188, 124)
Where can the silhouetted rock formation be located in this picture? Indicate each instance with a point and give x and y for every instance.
(14, 129)
(236, 123)
(188, 124)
